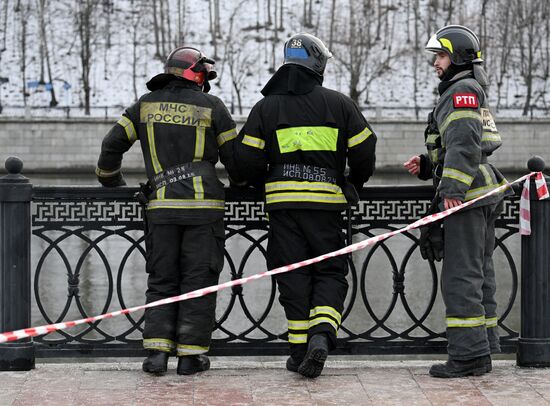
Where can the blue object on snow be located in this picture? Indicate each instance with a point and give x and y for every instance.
(48, 86)
(33, 83)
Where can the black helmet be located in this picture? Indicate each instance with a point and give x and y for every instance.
(308, 51)
(460, 43)
(189, 63)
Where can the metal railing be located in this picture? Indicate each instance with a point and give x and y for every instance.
(88, 258)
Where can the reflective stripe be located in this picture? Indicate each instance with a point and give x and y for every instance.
(159, 344)
(491, 322)
(183, 349)
(327, 320)
(298, 185)
(465, 322)
(102, 173)
(434, 155)
(457, 175)
(331, 311)
(197, 186)
(359, 138)
(253, 142)
(298, 324)
(486, 174)
(161, 193)
(307, 139)
(473, 193)
(199, 143)
(185, 204)
(490, 137)
(297, 338)
(432, 138)
(456, 115)
(228, 135)
(152, 149)
(306, 197)
(128, 128)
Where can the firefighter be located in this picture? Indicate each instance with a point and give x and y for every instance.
(294, 145)
(460, 137)
(182, 130)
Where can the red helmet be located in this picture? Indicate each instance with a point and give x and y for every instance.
(189, 63)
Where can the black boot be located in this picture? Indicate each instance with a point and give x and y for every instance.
(292, 364)
(316, 355)
(458, 368)
(191, 364)
(156, 362)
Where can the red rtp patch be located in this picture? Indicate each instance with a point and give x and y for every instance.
(465, 100)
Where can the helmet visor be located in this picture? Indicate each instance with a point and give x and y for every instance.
(434, 45)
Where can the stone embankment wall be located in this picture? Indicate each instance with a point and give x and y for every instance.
(48, 145)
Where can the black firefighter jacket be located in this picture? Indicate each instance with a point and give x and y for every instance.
(297, 139)
(176, 124)
(461, 134)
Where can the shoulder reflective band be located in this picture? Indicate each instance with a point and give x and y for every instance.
(307, 139)
(359, 138)
(228, 135)
(465, 322)
(103, 173)
(253, 142)
(458, 114)
(177, 173)
(457, 175)
(175, 113)
(129, 128)
(304, 172)
(185, 204)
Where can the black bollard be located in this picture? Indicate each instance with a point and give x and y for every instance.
(15, 266)
(534, 340)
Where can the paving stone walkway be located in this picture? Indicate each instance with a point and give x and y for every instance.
(240, 382)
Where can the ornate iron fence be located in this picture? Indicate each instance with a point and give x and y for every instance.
(88, 258)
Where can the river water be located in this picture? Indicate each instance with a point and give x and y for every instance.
(100, 272)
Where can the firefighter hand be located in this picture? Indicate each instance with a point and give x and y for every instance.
(413, 165)
(449, 203)
(431, 242)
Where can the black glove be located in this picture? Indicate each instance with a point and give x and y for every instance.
(431, 242)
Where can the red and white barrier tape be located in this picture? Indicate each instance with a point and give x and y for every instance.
(35, 331)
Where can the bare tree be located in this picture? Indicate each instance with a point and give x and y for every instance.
(358, 50)
(86, 19)
(44, 46)
(236, 58)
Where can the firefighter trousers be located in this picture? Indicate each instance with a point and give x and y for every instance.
(180, 259)
(468, 283)
(313, 296)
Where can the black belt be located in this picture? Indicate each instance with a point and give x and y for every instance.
(310, 173)
(177, 173)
